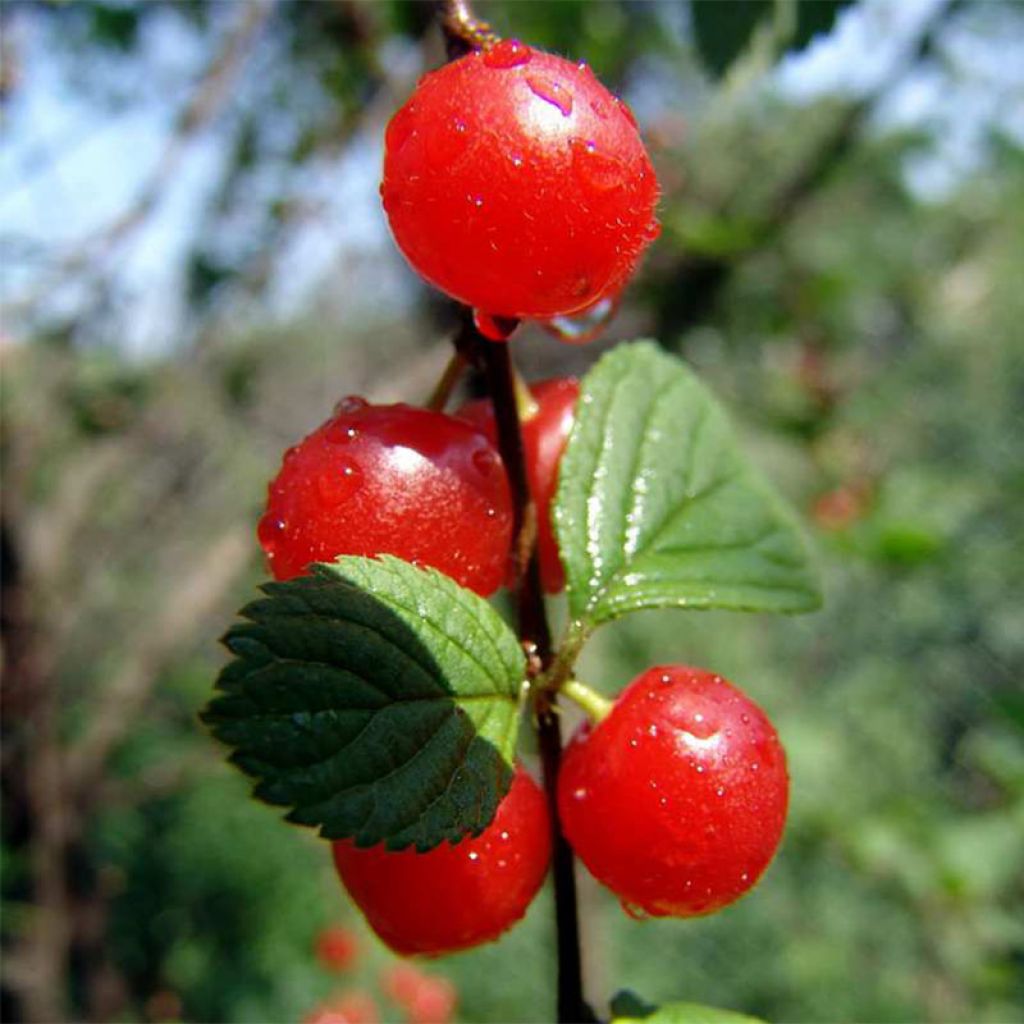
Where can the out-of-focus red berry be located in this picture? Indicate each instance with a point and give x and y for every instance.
(454, 897)
(677, 799)
(517, 183)
(353, 1007)
(391, 479)
(337, 948)
(544, 436)
(434, 1002)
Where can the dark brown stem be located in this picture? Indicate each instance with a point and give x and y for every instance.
(494, 360)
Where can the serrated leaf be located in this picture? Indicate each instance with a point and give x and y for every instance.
(657, 507)
(377, 700)
(627, 1008)
(722, 30)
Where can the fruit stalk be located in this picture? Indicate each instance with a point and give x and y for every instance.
(496, 363)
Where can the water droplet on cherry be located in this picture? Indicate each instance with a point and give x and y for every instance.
(635, 911)
(551, 92)
(350, 404)
(583, 327)
(485, 461)
(509, 53)
(624, 107)
(270, 529)
(340, 482)
(495, 328)
(342, 433)
(600, 171)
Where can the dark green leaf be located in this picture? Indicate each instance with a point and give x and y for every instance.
(815, 17)
(723, 28)
(626, 1003)
(377, 700)
(656, 506)
(627, 1007)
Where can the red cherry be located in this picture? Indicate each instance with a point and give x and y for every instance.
(392, 479)
(517, 183)
(337, 948)
(454, 897)
(544, 436)
(677, 799)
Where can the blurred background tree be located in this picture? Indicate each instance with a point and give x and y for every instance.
(196, 267)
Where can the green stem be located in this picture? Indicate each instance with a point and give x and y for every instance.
(596, 706)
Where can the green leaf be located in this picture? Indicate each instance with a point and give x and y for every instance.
(377, 700)
(625, 1005)
(722, 29)
(656, 506)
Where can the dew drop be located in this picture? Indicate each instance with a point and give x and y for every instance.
(663, 801)
(745, 718)
(474, 855)
(485, 461)
(477, 200)
(586, 326)
(652, 730)
(634, 910)
(600, 108)
(350, 404)
(504, 837)
(624, 107)
(744, 877)
(666, 679)
(580, 793)
(634, 742)
(270, 530)
(720, 791)
(342, 433)
(502, 863)
(698, 717)
(340, 482)
(494, 328)
(700, 769)
(551, 92)
(289, 456)
(652, 231)
(516, 159)
(509, 53)
(754, 766)
(601, 171)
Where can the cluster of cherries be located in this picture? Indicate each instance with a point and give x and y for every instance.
(518, 184)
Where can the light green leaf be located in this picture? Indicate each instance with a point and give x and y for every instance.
(656, 506)
(628, 1008)
(377, 700)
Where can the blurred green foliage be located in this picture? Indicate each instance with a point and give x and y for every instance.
(869, 346)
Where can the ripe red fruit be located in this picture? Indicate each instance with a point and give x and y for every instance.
(337, 948)
(391, 479)
(677, 799)
(454, 897)
(544, 437)
(517, 183)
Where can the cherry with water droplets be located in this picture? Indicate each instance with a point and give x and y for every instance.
(703, 836)
(454, 897)
(392, 479)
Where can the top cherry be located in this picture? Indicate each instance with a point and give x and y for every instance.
(518, 184)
